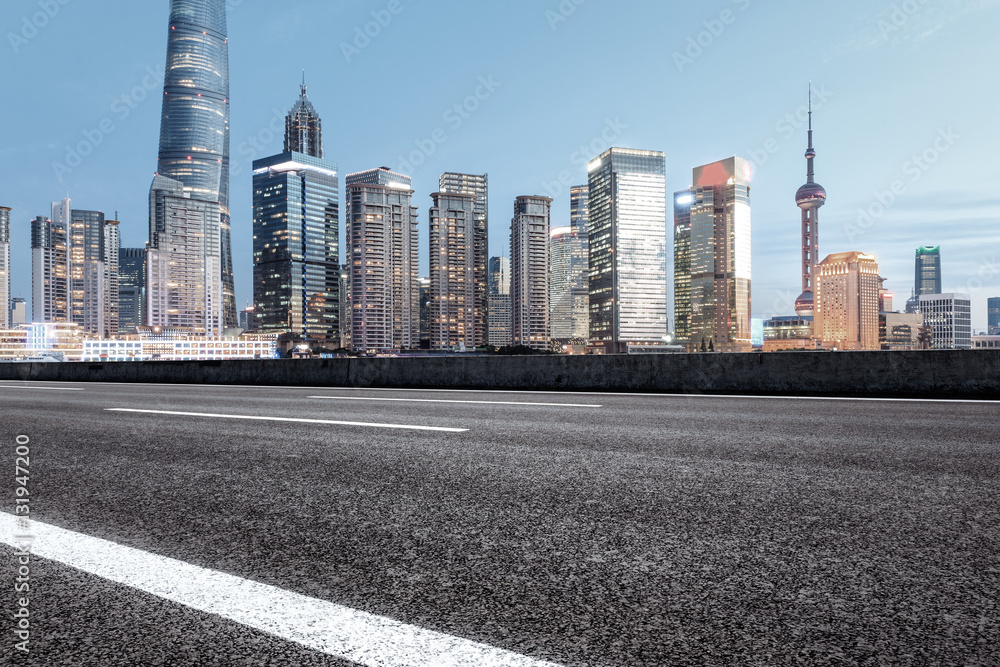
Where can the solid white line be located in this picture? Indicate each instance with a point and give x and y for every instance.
(9, 386)
(338, 631)
(291, 419)
(432, 400)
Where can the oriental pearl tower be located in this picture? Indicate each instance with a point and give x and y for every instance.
(810, 198)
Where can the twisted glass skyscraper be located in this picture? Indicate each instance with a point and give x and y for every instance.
(194, 127)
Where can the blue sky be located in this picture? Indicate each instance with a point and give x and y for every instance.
(906, 101)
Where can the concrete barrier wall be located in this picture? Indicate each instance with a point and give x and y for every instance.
(930, 374)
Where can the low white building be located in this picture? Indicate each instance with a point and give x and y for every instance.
(948, 317)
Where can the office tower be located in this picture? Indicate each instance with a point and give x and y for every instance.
(810, 198)
(18, 312)
(49, 271)
(948, 318)
(425, 313)
(846, 316)
(499, 307)
(296, 236)
(452, 263)
(345, 305)
(5, 267)
(383, 250)
(478, 186)
(303, 127)
(682, 265)
(628, 249)
(529, 272)
(184, 288)
(927, 279)
(194, 127)
(993, 313)
(720, 255)
(131, 289)
(247, 322)
(569, 296)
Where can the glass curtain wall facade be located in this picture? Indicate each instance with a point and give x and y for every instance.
(479, 187)
(569, 301)
(296, 247)
(720, 256)
(383, 247)
(194, 126)
(993, 313)
(5, 267)
(452, 263)
(682, 265)
(529, 270)
(131, 289)
(927, 278)
(500, 332)
(628, 249)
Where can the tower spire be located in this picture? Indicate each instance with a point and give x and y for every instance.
(303, 83)
(810, 152)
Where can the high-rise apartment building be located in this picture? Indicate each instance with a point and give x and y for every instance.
(49, 271)
(499, 309)
(847, 304)
(184, 288)
(452, 264)
(5, 267)
(425, 313)
(569, 281)
(131, 289)
(296, 235)
(382, 246)
(948, 318)
(720, 256)
(529, 271)
(478, 187)
(993, 315)
(682, 265)
(927, 274)
(194, 132)
(628, 249)
(111, 325)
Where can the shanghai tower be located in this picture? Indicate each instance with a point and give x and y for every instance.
(194, 126)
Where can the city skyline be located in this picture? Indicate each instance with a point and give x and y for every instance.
(924, 213)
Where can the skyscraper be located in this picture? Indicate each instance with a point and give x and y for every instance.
(5, 267)
(112, 246)
(131, 289)
(478, 186)
(383, 246)
(529, 271)
(569, 298)
(452, 264)
(184, 287)
(927, 275)
(720, 255)
(682, 265)
(303, 127)
(194, 126)
(847, 287)
(628, 249)
(49, 271)
(296, 232)
(810, 198)
(499, 311)
(18, 312)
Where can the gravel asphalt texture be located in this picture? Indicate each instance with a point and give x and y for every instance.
(651, 531)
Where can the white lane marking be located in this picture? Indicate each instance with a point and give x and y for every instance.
(405, 427)
(11, 386)
(433, 400)
(530, 391)
(339, 631)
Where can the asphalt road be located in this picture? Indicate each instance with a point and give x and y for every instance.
(597, 530)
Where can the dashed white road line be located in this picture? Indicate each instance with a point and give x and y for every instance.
(346, 633)
(434, 400)
(14, 386)
(209, 415)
